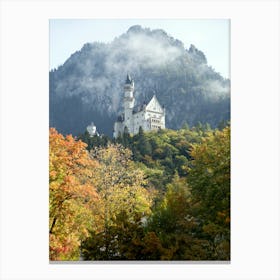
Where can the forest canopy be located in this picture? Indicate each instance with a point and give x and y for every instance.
(159, 195)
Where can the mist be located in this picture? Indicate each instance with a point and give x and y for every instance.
(158, 63)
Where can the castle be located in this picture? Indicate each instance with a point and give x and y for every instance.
(91, 129)
(150, 116)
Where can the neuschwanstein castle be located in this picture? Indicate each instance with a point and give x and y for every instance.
(149, 116)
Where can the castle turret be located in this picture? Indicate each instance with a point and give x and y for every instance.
(128, 93)
(128, 102)
(91, 129)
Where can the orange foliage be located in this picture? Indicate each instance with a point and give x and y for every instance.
(72, 195)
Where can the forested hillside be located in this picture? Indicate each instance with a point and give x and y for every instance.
(88, 87)
(160, 195)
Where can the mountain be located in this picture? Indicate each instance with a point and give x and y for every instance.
(88, 87)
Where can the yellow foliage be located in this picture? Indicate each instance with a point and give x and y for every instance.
(121, 185)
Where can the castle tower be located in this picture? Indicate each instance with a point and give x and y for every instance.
(128, 103)
(91, 129)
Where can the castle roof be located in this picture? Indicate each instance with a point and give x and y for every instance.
(120, 118)
(128, 79)
(139, 108)
(148, 106)
(154, 105)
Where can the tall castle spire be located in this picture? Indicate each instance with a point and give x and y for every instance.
(128, 79)
(128, 103)
(128, 92)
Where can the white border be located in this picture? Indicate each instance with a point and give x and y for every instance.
(255, 138)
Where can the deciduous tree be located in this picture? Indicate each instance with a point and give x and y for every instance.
(125, 200)
(209, 178)
(72, 195)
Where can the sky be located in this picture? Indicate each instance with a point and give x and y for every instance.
(212, 36)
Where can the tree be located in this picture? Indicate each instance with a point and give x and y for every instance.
(94, 140)
(126, 137)
(143, 145)
(174, 225)
(186, 126)
(209, 179)
(72, 195)
(124, 201)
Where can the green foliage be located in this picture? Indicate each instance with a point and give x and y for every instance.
(175, 226)
(209, 177)
(209, 173)
(122, 240)
(160, 195)
(94, 141)
(165, 150)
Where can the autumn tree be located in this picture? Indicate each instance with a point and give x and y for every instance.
(72, 195)
(209, 179)
(124, 202)
(175, 226)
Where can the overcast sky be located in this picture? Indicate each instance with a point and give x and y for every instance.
(212, 36)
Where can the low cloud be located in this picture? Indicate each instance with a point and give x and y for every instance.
(134, 50)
